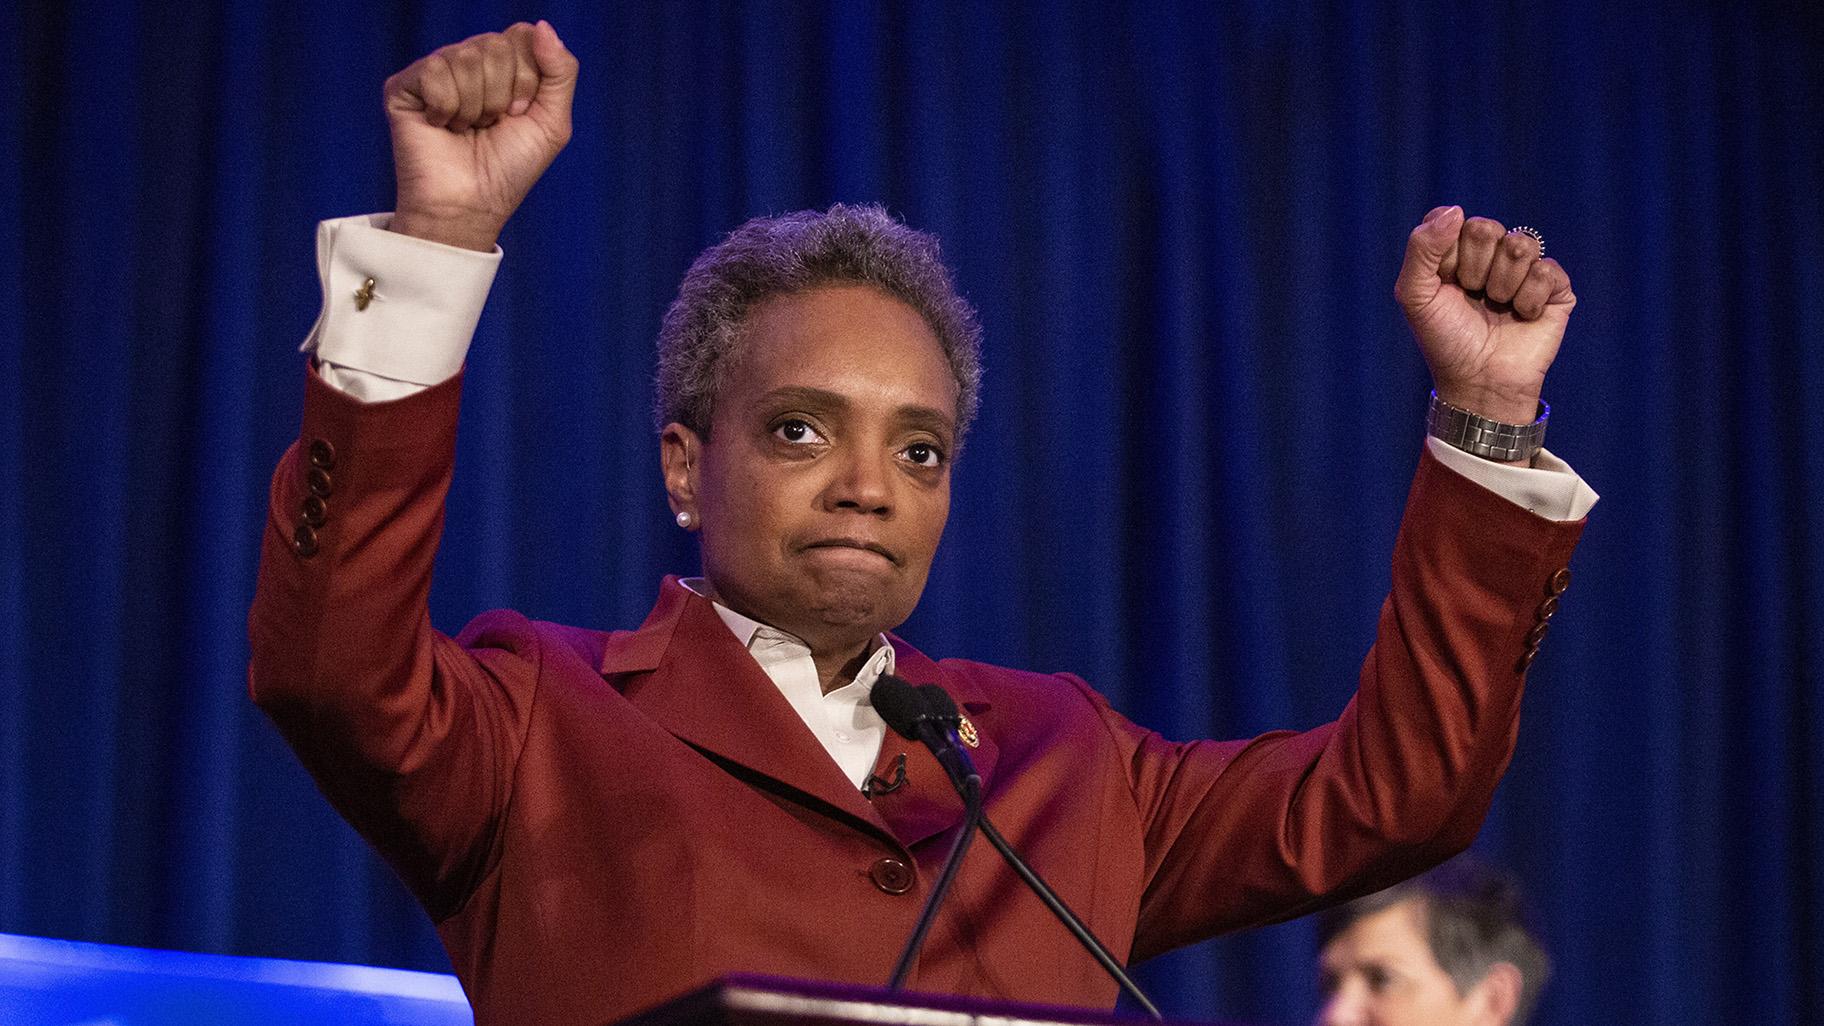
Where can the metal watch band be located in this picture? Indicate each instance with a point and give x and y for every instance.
(1479, 436)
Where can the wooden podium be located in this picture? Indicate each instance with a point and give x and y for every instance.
(775, 1001)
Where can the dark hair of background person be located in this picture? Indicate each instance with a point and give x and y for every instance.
(1475, 918)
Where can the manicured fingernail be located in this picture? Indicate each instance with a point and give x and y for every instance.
(518, 107)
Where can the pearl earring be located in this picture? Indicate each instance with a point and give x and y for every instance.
(684, 520)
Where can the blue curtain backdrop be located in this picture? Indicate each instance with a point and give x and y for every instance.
(1181, 224)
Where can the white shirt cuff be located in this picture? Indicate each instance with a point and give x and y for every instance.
(1549, 488)
(419, 319)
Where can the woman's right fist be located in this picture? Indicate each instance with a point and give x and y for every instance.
(474, 125)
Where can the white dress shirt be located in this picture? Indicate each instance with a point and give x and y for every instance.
(413, 331)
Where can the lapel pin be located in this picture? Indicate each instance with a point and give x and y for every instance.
(966, 731)
(364, 295)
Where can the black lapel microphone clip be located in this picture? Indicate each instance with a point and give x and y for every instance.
(876, 784)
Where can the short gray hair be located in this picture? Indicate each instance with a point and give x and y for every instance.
(1473, 916)
(795, 252)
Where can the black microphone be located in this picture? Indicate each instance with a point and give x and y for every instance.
(912, 716)
(927, 714)
(934, 713)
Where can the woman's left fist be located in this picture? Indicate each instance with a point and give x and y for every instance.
(1488, 309)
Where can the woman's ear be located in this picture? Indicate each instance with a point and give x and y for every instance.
(680, 451)
(1496, 997)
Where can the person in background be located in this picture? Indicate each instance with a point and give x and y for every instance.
(1449, 948)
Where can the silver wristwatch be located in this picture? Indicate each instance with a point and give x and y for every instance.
(1479, 436)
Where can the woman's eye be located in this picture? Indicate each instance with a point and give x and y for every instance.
(797, 432)
(924, 454)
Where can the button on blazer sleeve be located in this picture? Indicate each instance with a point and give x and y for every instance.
(412, 736)
(1242, 833)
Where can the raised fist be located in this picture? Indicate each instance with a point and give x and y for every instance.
(1488, 309)
(474, 125)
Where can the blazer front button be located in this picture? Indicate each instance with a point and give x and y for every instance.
(1537, 634)
(313, 511)
(322, 454)
(891, 875)
(319, 483)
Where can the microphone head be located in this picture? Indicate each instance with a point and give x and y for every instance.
(939, 706)
(899, 704)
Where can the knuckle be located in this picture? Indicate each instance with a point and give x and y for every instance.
(1518, 246)
(438, 92)
(1483, 229)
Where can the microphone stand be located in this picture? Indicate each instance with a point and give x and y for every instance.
(972, 816)
(928, 714)
(1068, 918)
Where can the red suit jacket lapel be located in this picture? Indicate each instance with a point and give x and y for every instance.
(685, 670)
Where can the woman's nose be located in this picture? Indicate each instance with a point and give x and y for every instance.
(863, 483)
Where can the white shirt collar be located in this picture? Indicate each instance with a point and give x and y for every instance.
(843, 721)
(770, 645)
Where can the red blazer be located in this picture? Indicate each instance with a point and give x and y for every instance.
(598, 821)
